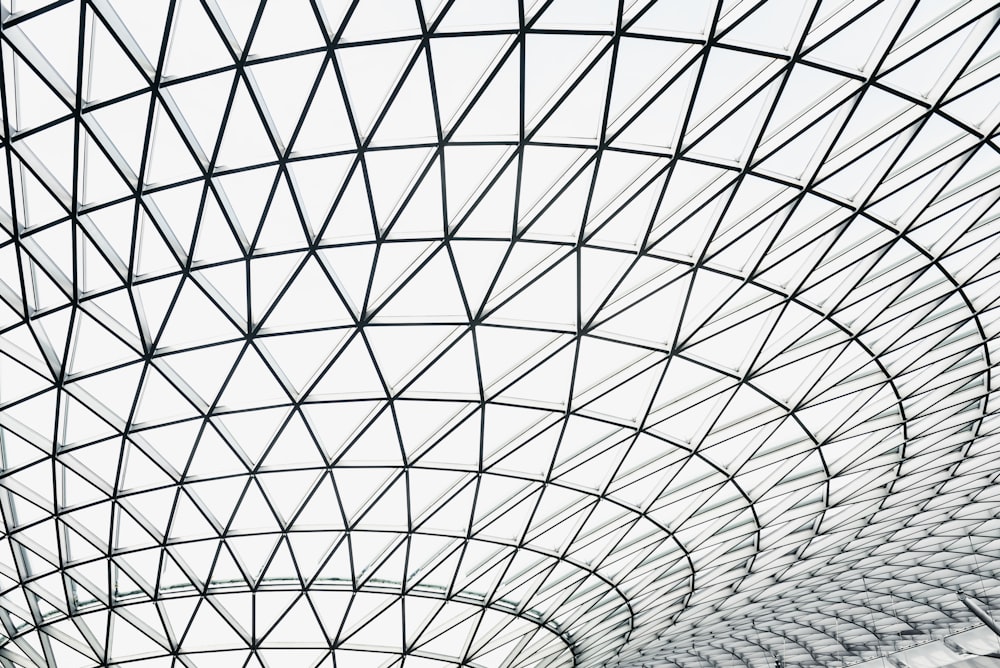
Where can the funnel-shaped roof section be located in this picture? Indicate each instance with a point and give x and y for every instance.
(424, 334)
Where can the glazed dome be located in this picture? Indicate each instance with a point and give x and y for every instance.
(500, 334)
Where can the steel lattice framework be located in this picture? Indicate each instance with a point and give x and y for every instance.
(428, 333)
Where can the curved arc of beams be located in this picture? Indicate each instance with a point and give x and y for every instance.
(725, 372)
(710, 462)
(587, 492)
(556, 557)
(859, 211)
(741, 657)
(792, 622)
(724, 272)
(681, 132)
(106, 14)
(849, 622)
(785, 636)
(327, 584)
(933, 261)
(902, 617)
(791, 184)
(208, 596)
(924, 605)
(815, 310)
(914, 101)
(953, 280)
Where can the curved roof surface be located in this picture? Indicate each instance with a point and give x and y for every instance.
(435, 333)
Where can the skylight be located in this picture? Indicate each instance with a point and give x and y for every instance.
(425, 334)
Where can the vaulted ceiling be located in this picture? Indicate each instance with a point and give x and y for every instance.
(429, 333)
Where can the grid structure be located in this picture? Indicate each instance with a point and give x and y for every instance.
(429, 333)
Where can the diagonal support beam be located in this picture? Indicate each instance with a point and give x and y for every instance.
(979, 612)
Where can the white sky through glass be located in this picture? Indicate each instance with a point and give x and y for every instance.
(424, 334)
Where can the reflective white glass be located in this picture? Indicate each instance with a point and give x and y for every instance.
(541, 333)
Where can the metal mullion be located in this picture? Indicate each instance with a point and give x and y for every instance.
(17, 136)
(507, 298)
(29, 55)
(613, 46)
(734, 318)
(380, 235)
(647, 363)
(28, 162)
(762, 126)
(359, 163)
(930, 311)
(986, 351)
(781, 75)
(520, 373)
(809, 187)
(501, 60)
(268, 124)
(283, 170)
(789, 351)
(843, 25)
(658, 170)
(565, 91)
(682, 132)
(875, 288)
(739, 4)
(300, 596)
(211, 294)
(749, 162)
(221, 610)
(700, 55)
(12, 19)
(953, 155)
(520, 44)
(151, 72)
(922, 50)
(111, 152)
(101, 246)
(824, 111)
(957, 361)
(626, 25)
(336, 545)
(425, 48)
(146, 143)
(411, 191)
(60, 550)
(208, 190)
(602, 600)
(209, 186)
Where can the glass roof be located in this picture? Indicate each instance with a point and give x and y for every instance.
(520, 333)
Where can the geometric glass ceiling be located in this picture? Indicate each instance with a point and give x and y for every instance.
(520, 333)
